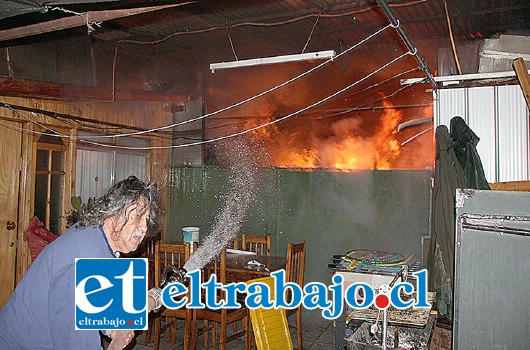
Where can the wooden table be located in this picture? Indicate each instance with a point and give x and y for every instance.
(237, 271)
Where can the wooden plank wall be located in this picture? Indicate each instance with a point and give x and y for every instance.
(523, 186)
(137, 114)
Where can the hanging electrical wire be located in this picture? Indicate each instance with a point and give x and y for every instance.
(417, 69)
(231, 44)
(261, 93)
(90, 25)
(361, 106)
(313, 29)
(226, 27)
(243, 132)
(238, 104)
(415, 136)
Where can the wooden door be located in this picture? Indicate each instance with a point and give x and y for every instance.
(10, 143)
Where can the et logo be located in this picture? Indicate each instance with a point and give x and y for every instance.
(111, 294)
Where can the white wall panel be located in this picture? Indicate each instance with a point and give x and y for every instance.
(499, 116)
(481, 119)
(97, 170)
(513, 149)
(93, 173)
(130, 164)
(450, 103)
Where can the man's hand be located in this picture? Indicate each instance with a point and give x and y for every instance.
(154, 300)
(120, 339)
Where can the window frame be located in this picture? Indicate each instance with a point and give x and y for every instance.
(126, 141)
(49, 172)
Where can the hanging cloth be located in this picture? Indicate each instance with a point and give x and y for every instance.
(457, 165)
(465, 141)
(448, 177)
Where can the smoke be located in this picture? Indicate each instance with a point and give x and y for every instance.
(242, 193)
(347, 144)
(343, 134)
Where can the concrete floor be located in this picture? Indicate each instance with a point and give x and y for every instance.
(319, 334)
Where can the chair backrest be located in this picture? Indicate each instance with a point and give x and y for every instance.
(258, 244)
(150, 249)
(216, 267)
(148, 245)
(271, 328)
(234, 244)
(295, 266)
(169, 254)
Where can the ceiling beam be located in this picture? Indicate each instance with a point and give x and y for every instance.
(56, 115)
(82, 19)
(53, 91)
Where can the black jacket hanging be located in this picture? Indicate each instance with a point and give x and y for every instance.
(465, 142)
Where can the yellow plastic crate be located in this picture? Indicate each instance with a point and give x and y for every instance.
(271, 329)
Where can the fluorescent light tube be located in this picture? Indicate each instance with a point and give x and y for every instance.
(320, 55)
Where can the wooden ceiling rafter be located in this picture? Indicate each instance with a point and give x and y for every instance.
(52, 91)
(96, 122)
(77, 21)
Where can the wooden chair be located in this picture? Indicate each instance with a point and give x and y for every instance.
(234, 244)
(258, 244)
(177, 255)
(223, 317)
(294, 271)
(149, 253)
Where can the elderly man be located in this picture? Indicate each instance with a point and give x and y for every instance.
(40, 313)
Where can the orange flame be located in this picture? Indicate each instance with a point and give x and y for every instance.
(342, 149)
(388, 147)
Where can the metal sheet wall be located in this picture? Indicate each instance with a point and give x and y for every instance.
(130, 164)
(97, 170)
(93, 173)
(499, 116)
(333, 211)
(188, 133)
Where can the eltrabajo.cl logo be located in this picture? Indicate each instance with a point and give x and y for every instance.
(111, 294)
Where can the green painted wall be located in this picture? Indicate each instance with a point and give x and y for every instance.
(334, 212)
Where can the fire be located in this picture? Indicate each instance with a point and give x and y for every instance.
(304, 158)
(321, 137)
(352, 153)
(388, 147)
(342, 147)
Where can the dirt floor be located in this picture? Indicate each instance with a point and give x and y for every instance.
(441, 339)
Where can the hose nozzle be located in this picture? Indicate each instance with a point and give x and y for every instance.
(173, 274)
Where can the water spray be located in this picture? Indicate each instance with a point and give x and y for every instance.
(229, 220)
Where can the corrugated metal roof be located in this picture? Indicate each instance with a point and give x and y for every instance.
(270, 27)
